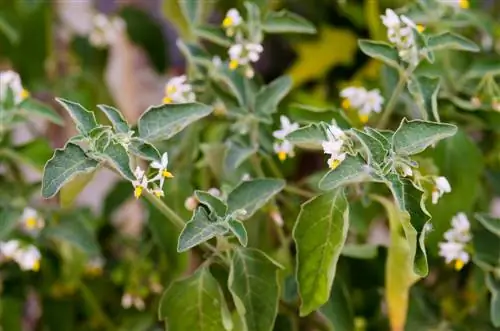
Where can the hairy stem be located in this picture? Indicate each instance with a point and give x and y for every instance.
(391, 104)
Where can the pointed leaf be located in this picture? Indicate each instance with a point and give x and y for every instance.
(194, 303)
(449, 40)
(374, 148)
(319, 234)
(192, 10)
(239, 231)
(165, 121)
(214, 34)
(144, 149)
(33, 106)
(270, 96)
(251, 195)
(425, 92)
(117, 155)
(237, 154)
(352, 170)
(116, 118)
(490, 223)
(380, 51)
(254, 287)
(66, 163)
(310, 136)
(412, 137)
(286, 22)
(198, 230)
(85, 120)
(253, 22)
(339, 310)
(213, 203)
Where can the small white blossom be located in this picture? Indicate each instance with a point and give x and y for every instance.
(454, 251)
(333, 146)
(335, 159)
(373, 102)
(11, 80)
(28, 258)
(283, 149)
(232, 21)
(10, 248)
(287, 127)
(177, 90)
(460, 230)
(217, 61)
(162, 169)
(105, 30)
(242, 54)
(94, 266)
(141, 182)
(454, 248)
(441, 186)
(364, 101)
(31, 221)
(400, 33)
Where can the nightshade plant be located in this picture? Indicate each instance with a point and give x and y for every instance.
(240, 285)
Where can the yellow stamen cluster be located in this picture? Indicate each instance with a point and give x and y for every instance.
(138, 191)
(346, 104)
(36, 265)
(25, 94)
(282, 156)
(167, 100)
(333, 164)
(363, 118)
(31, 223)
(167, 174)
(233, 64)
(420, 28)
(459, 264)
(227, 22)
(464, 4)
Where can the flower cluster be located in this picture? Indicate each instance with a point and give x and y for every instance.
(400, 32)
(177, 90)
(334, 146)
(26, 256)
(142, 182)
(456, 240)
(283, 147)
(242, 52)
(364, 101)
(105, 30)
(10, 80)
(441, 186)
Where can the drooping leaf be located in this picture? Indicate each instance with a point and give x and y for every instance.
(213, 203)
(84, 120)
(254, 287)
(490, 223)
(270, 96)
(412, 137)
(194, 303)
(117, 155)
(380, 51)
(143, 149)
(198, 230)
(310, 136)
(116, 118)
(352, 170)
(236, 154)
(425, 91)
(214, 34)
(192, 10)
(66, 163)
(165, 121)
(494, 287)
(35, 107)
(70, 190)
(450, 40)
(286, 22)
(239, 231)
(251, 195)
(319, 234)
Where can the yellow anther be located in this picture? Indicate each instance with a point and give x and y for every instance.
(170, 89)
(459, 264)
(167, 174)
(25, 94)
(36, 265)
(420, 28)
(227, 22)
(31, 223)
(282, 156)
(158, 193)
(346, 104)
(363, 118)
(464, 4)
(233, 64)
(334, 164)
(167, 100)
(138, 191)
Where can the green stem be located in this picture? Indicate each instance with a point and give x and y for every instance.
(298, 191)
(391, 104)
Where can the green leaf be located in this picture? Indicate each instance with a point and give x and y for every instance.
(412, 137)
(360, 251)
(74, 232)
(194, 303)
(165, 121)
(338, 310)
(270, 96)
(380, 51)
(70, 190)
(383, 136)
(310, 136)
(192, 10)
(254, 287)
(236, 154)
(486, 249)
(352, 170)
(374, 148)
(116, 118)
(8, 222)
(251, 195)
(32, 106)
(66, 163)
(319, 234)
(144, 149)
(194, 53)
(253, 22)
(117, 155)
(286, 22)
(494, 287)
(490, 223)
(425, 92)
(198, 230)
(213, 203)
(214, 34)
(450, 40)
(399, 269)
(85, 120)
(239, 231)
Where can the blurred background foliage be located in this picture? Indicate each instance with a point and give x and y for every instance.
(47, 44)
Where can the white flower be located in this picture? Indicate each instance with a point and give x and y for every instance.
(241, 54)
(372, 103)
(335, 159)
(365, 102)
(232, 20)
(129, 300)
(31, 221)
(177, 90)
(333, 146)
(9, 248)
(287, 127)
(284, 149)
(105, 30)
(441, 186)
(354, 97)
(391, 19)
(214, 191)
(460, 231)
(162, 169)
(11, 80)
(28, 258)
(406, 170)
(454, 251)
(141, 183)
